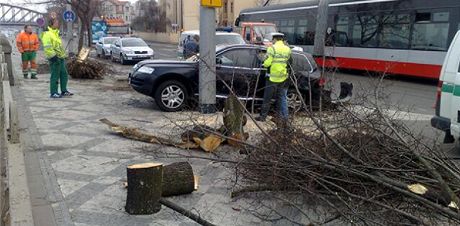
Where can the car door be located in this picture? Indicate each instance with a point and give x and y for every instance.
(238, 70)
(116, 49)
(450, 90)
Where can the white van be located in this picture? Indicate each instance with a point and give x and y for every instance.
(447, 116)
(222, 38)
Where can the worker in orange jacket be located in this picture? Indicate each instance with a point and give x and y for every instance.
(28, 44)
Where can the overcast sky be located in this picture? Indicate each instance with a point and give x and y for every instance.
(25, 3)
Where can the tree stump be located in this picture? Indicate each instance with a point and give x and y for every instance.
(144, 188)
(234, 120)
(178, 179)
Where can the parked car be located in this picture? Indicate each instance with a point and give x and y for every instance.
(173, 83)
(130, 49)
(103, 46)
(222, 38)
(447, 116)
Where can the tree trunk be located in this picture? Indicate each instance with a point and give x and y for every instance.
(81, 35)
(144, 188)
(234, 120)
(178, 179)
(90, 34)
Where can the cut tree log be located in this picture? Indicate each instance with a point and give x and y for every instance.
(144, 188)
(178, 179)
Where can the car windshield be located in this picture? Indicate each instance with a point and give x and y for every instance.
(262, 31)
(133, 42)
(229, 40)
(110, 40)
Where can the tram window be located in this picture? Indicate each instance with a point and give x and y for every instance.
(289, 34)
(365, 31)
(433, 34)
(441, 17)
(341, 32)
(395, 32)
(303, 23)
(422, 17)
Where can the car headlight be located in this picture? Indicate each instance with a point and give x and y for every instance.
(146, 70)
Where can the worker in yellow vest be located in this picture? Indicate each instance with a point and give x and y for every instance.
(55, 53)
(278, 58)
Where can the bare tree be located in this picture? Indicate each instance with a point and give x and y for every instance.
(155, 20)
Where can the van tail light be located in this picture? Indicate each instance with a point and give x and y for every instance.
(438, 94)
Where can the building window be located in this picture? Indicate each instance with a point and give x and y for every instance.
(231, 7)
(430, 31)
(225, 7)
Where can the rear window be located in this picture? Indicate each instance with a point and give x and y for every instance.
(110, 40)
(301, 62)
(229, 40)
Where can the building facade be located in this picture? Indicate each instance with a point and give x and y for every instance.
(185, 14)
(117, 9)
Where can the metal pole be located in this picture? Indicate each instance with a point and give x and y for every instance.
(69, 35)
(207, 81)
(321, 27)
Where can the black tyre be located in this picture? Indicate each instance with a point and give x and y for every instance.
(171, 96)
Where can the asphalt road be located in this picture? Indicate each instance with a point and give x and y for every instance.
(412, 95)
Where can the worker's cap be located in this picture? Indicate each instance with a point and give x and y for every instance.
(277, 35)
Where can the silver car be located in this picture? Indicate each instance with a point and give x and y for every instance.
(125, 50)
(103, 46)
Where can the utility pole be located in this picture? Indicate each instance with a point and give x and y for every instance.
(69, 35)
(321, 28)
(207, 74)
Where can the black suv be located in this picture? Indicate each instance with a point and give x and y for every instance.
(173, 83)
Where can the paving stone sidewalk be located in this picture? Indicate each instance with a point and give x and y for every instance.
(83, 165)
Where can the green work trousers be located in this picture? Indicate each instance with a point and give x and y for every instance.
(58, 75)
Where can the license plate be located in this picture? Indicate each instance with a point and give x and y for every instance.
(130, 58)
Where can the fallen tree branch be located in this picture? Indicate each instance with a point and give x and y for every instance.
(185, 212)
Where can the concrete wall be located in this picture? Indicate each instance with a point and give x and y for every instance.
(191, 15)
(172, 38)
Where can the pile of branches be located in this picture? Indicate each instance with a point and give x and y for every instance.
(86, 69)
(365, 166)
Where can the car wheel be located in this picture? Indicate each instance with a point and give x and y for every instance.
(122, 60)
(171, 96)
(294, 102)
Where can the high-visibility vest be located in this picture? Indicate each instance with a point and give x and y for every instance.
(52, 44)
(277, 60)
(27, 42)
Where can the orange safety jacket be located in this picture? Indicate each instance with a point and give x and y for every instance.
(27, 42)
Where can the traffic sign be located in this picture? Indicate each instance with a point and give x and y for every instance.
(41, 22)
(211, 3)
(69, 16)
